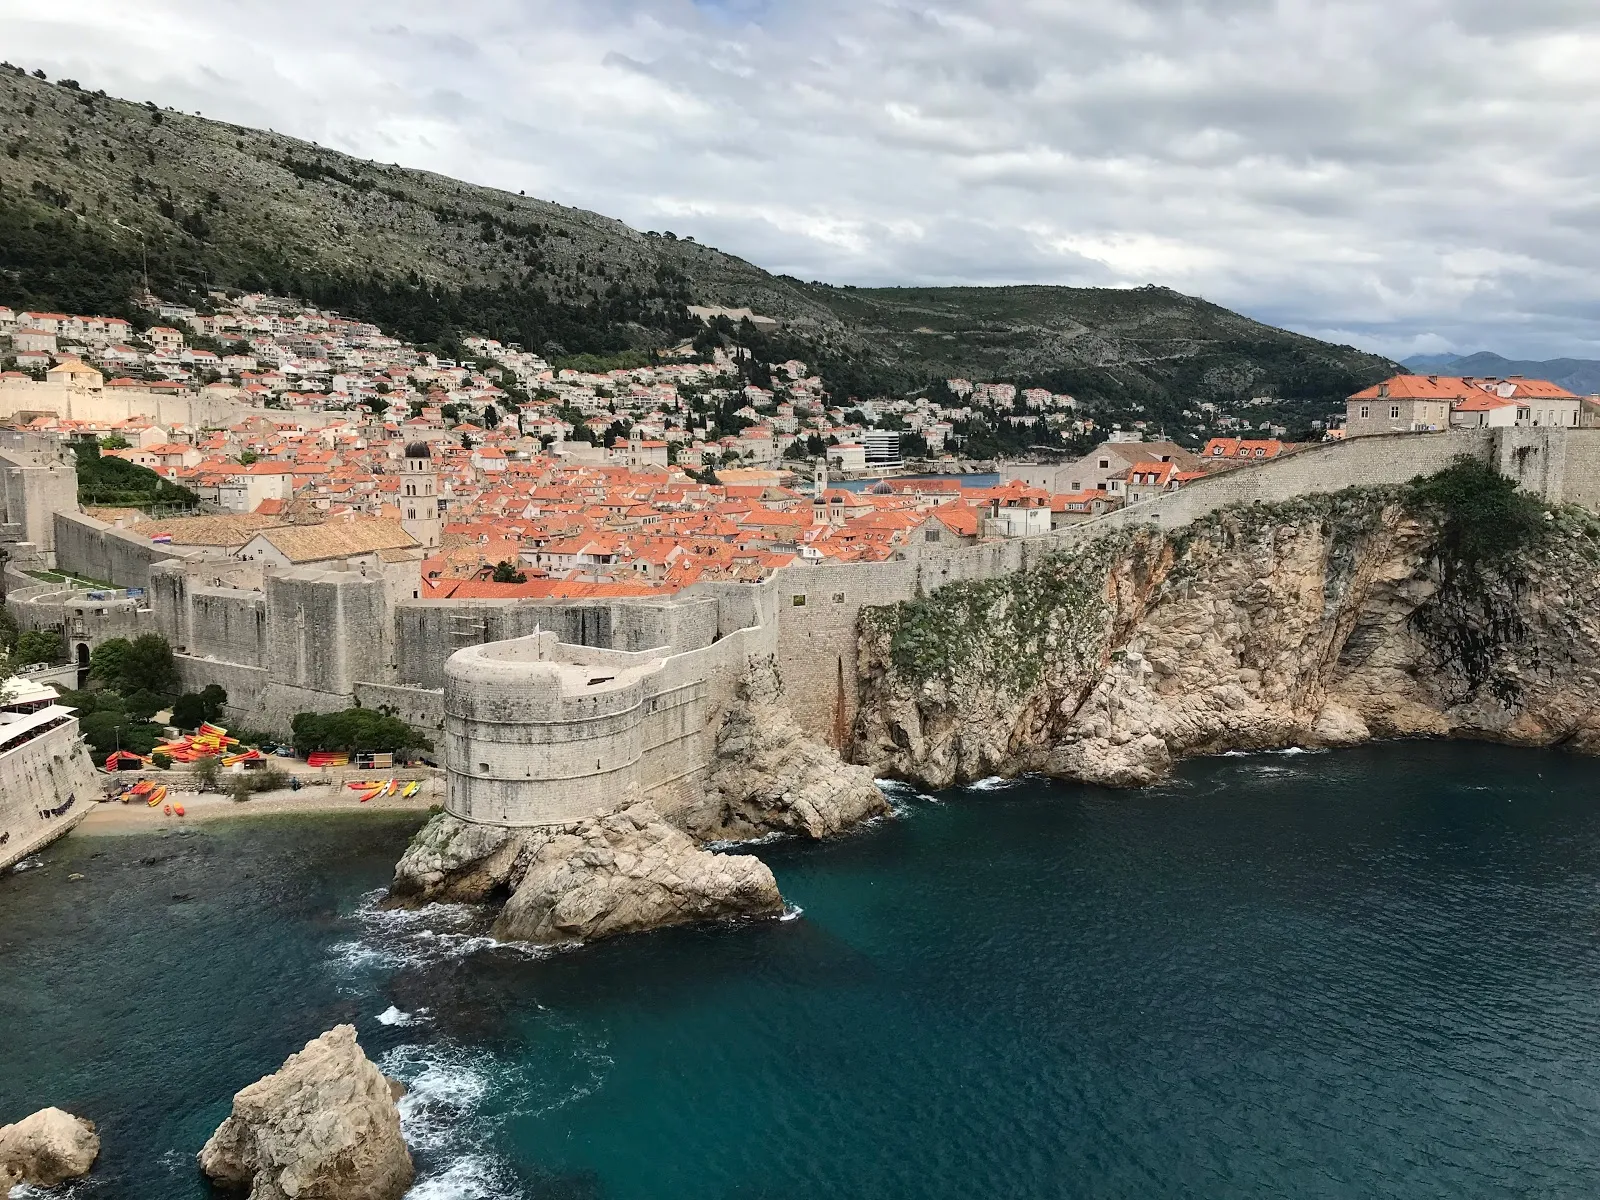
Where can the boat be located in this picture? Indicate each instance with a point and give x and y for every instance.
(178, 808)
(411, 789)
(167, 809)
(157, 796)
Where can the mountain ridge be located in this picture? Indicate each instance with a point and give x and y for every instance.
(1580, 375)
(96, 192)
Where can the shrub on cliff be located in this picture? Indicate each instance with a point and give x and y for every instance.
(1479, 515)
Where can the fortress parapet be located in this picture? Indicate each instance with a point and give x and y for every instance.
(539, 733)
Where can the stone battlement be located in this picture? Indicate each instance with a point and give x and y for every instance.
(552, 712)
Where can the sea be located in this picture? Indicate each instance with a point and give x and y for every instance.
(1365, 973)
(987, 479)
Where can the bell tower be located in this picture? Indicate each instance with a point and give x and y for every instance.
(419, 498)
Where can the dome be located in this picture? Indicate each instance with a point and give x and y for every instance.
(418, 450)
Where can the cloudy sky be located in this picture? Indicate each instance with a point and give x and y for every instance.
(1405, 175)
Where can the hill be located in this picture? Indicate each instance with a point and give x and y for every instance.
(97, 192)
(1580, 375)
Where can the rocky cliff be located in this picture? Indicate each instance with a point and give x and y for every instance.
(769, 776)
(322, 1127)
(1457, 612)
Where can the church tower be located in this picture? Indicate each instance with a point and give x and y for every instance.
(419, 500)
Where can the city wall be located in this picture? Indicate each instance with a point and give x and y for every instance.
(92, 549)
(109, 406)
(527, 741)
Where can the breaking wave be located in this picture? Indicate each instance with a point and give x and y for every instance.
(457, 1100)
(392, 938)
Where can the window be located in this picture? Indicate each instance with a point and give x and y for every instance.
(1366, 410)
(931, 535)
(838, 597)
(483, 768)
(798, 601)
(1394, 412)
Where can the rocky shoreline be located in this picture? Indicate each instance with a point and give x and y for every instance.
(1326, 622)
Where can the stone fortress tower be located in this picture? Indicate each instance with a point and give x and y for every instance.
(419, 503)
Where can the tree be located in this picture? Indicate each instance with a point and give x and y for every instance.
(106, 661)
(114, 441)
(491, 417)
(142, 665)
(505, 572)
(354, 729)
(194, 709)
(206, 771)
(40, 646)
(149, 664)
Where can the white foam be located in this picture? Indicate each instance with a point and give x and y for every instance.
(470, 1177)
(993, 783)
(791, 912)
(766, 839)
(27, 864)
(393, 938)
(393, 1016)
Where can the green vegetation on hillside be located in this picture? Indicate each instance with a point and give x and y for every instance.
(117, 482)
(96, 191)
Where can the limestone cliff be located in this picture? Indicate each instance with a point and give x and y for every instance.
(1323, 621)
(322, 1127)
(768, 776)
(623, 873)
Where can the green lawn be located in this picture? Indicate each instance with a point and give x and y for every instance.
(73, 581)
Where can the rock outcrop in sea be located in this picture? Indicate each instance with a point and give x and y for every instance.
(623, 873)
(45, 1149)
(1324, 621)
(626, 873)
(323, 1127)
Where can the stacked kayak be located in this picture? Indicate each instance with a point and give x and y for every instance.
(371, 789)
(208, 741)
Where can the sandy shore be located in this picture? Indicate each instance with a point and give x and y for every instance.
(138, 817)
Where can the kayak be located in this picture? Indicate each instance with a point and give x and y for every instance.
(157, 796)
(411, 789)
(178, 808)
(167, 809)
(370, 793)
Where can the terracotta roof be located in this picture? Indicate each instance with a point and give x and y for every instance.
(338, 539)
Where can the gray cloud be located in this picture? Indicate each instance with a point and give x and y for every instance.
(1399, 174)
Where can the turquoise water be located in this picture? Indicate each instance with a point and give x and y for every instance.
(1373, 973)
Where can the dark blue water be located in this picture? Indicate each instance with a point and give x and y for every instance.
(1374, 973)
